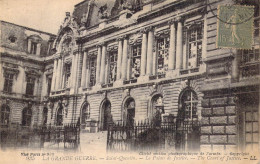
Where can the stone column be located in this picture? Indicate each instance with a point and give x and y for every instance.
(54, 75)
(72, 71)
(149, 65)
(119, 59)
(144, 53)
(58, 75)
(76, 70)
(38, 51)
(62, 73)
(172, 56)
(124, 60)
(179, 50)
(103, 65)
(98, 65)
(44, 85)
(29, 45)
(204, 43)
(83, 75)
(235, 66)
(87, 74)
(106, 70)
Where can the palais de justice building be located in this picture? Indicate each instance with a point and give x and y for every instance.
(116, 61)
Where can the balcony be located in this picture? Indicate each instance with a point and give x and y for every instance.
(131, 81)
(188, 71)
(107, 85)
(159, 76)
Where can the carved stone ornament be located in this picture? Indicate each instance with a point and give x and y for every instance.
(103, 12)
(135, 39)
(162, 33)
(112, 47)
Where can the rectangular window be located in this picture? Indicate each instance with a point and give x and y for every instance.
(67, 75)
(8, 84)
(136, 61)
(30, 85)
(251, 130)
(195, 36)
(33, 48)
(92, 67)
(250, 64)
(163, 54)
(112, 66)
(49, 86)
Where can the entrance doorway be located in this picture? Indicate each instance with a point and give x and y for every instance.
(106, 117)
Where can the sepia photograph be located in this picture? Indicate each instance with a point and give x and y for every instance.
(129, 81)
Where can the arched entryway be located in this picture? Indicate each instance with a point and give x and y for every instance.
(59, 116)
(27, 116)
(85, 114)
(106, 116)
(44, 116)
(129, 108)
(156, 105)
(187, 136)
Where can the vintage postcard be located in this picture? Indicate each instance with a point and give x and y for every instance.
(129, 81)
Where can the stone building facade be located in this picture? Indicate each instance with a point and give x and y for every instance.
(24, 52)
(117, 61)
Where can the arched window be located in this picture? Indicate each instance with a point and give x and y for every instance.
(106, 117)
(27, 116)
(130, 111)
(156, 103)
(59, 116)
(5, 114)
(187, 135)
(188, 105)
(85, 113)
(45, 115)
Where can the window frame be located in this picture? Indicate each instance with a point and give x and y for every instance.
(5, 114)
(8, 83)
(30, 85)
(27, 116)
(136, 74)
(163, 69)
(92, 72)
(198, 56)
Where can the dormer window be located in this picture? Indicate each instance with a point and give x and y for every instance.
(34, 44)
(33, 48)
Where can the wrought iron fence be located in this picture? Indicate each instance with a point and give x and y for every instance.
(39, 137)
(180, 135)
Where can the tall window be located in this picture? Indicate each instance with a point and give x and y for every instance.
(67, 75)
(195, 36)
(33, 48)
(59, 116)
(106, 117)
(85, 113)
(30, 85)
(251, 130)
(163, 54)
(156, 104)
(112, 66)
(5, 114)
(136, 61)
(8, 84)
(92, 67)
(49, 79)
(250, 58)
(45, 115)
(27, 116)
(130, 110)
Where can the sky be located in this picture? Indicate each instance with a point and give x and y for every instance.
(44, 15)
